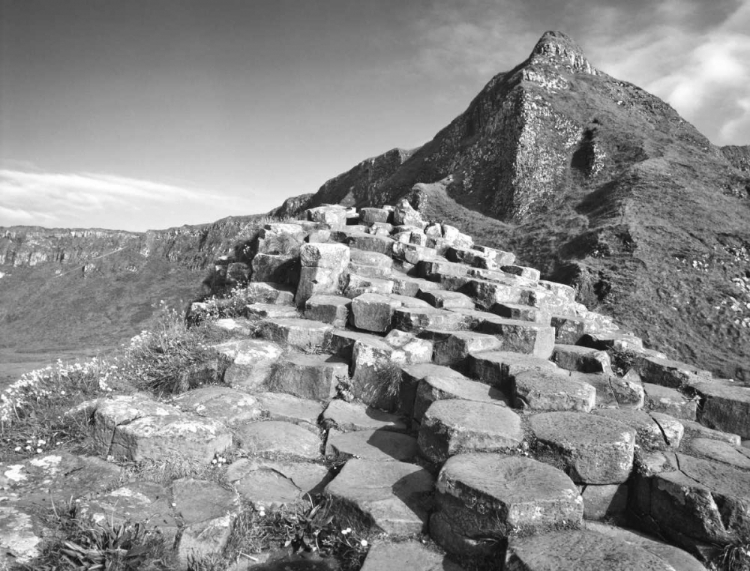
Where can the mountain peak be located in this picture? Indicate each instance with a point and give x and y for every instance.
(557, 47)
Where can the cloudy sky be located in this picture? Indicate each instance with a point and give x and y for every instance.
(140, 114)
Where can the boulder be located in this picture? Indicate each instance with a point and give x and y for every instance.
(333, 309)
(275, 437)
(303, 334)
(543, 390)
(313, 377)
(499, 368)
(373, 312)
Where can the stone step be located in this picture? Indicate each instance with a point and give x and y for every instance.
(446, 299)
(499, 368)
(602, 383)
(581, 550)
(669, 401)
(410, 286)
(735, 456)
(551, 391)
(457, 426)
(333, 216)
(652, 432)
(376, 366)
(668, 373)
(251, 362)
(369, 271)
(612, 340)
(331, 309)
(276, 438)
(302, 334)
(593, 449)
(604, 502)
(530, 274)
(434, 388)
(289, 408)
(369, 216)
(452, 348)
(583, 359)
(358, 285)
(271, 484)
(323, 270)
(223, 404)
(272, 310)
(275, 268)
(351, 417)
(418, 319)
(390, 497)
(709, 499)
(568, 329)
(373, 312)
(724, 406)
(412, 555)
(411, 375)
(306, 376)
(265, 292)
(489, 495)
(520, 312)
(677, 558)
(379, 444)
(507, 289)
(370, 243)
(520, 336)
(138, 428)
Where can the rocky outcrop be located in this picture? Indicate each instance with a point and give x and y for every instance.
(427, 414)
(596, 183)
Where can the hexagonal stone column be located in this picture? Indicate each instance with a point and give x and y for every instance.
(542, 390)
(455, 426)
(592, 449)
(390, 496)
(490, 496)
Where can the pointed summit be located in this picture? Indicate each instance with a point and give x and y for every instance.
(557, 47)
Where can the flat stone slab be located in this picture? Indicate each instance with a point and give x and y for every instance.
(289, 408)
(252, 362)
(273, 484)
(602, 383)
(604, 501)
(271, 310)
(411, 555)
(592, 449)
(265, 292)
(380, 445)
(202, 500)
(499, 368)
(542, 390)
(146, 502)
(333, 309)
(454, 347)
(417, 319)
(709, 500)
(390, 496)
(278, 438)
(725, 407)
(520, 312)
(521, 336)
(303, 334)
(309, 477)
(674, 556)
(649, 435)
(359, 285)
(223, 404)
(309, 376)
(373, 312)
(737, 456)
(351, 417)
(580, 550)
(583, 359)
(138, 428)
(410, 286)
(488, 495)
(568, 329)
(443, 387)
(411, 375)
(669, 401)
(668, 373)
(697, 430)
(455, 426)
(446, 299)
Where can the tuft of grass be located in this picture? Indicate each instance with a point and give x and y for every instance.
(32, 410)
(81, 543)
(735, 557)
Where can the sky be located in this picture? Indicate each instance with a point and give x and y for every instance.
(138, 114)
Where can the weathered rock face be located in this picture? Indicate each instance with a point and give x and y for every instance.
(597, 183)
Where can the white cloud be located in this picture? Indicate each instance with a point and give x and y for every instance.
(691, 53)
(104, 200)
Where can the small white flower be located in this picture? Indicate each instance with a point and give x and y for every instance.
(39, 450)
(363, 543)
(346, 531)
(18, 449)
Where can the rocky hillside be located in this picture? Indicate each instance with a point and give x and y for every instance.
(600, 185)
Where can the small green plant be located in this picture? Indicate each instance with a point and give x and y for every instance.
(84, 544)
(735, 557)
(622, 360)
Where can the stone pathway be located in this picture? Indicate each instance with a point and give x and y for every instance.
(449, 401)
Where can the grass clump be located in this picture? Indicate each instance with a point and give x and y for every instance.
(82, 543)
